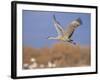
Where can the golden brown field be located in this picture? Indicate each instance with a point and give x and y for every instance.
(59, 55)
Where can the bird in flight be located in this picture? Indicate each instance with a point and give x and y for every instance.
(65, 34)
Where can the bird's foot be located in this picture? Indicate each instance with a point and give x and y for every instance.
(71, 41)
(74, 43)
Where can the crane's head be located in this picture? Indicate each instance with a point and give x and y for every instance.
(52, 38)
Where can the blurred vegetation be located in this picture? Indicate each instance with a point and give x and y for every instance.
(62, 54)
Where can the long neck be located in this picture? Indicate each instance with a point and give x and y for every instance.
(53, 38)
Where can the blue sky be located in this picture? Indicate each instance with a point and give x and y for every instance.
(38, 25)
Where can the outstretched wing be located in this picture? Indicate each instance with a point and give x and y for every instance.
(70, 31)
(58, 27)
(72, 26)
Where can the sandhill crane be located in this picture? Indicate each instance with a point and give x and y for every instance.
(63, 34)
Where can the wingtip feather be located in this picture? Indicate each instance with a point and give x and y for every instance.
(79, 20)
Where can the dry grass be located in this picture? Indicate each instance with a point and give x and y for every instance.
(61, 54)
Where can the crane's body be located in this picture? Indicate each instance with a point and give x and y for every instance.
(63, 34)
